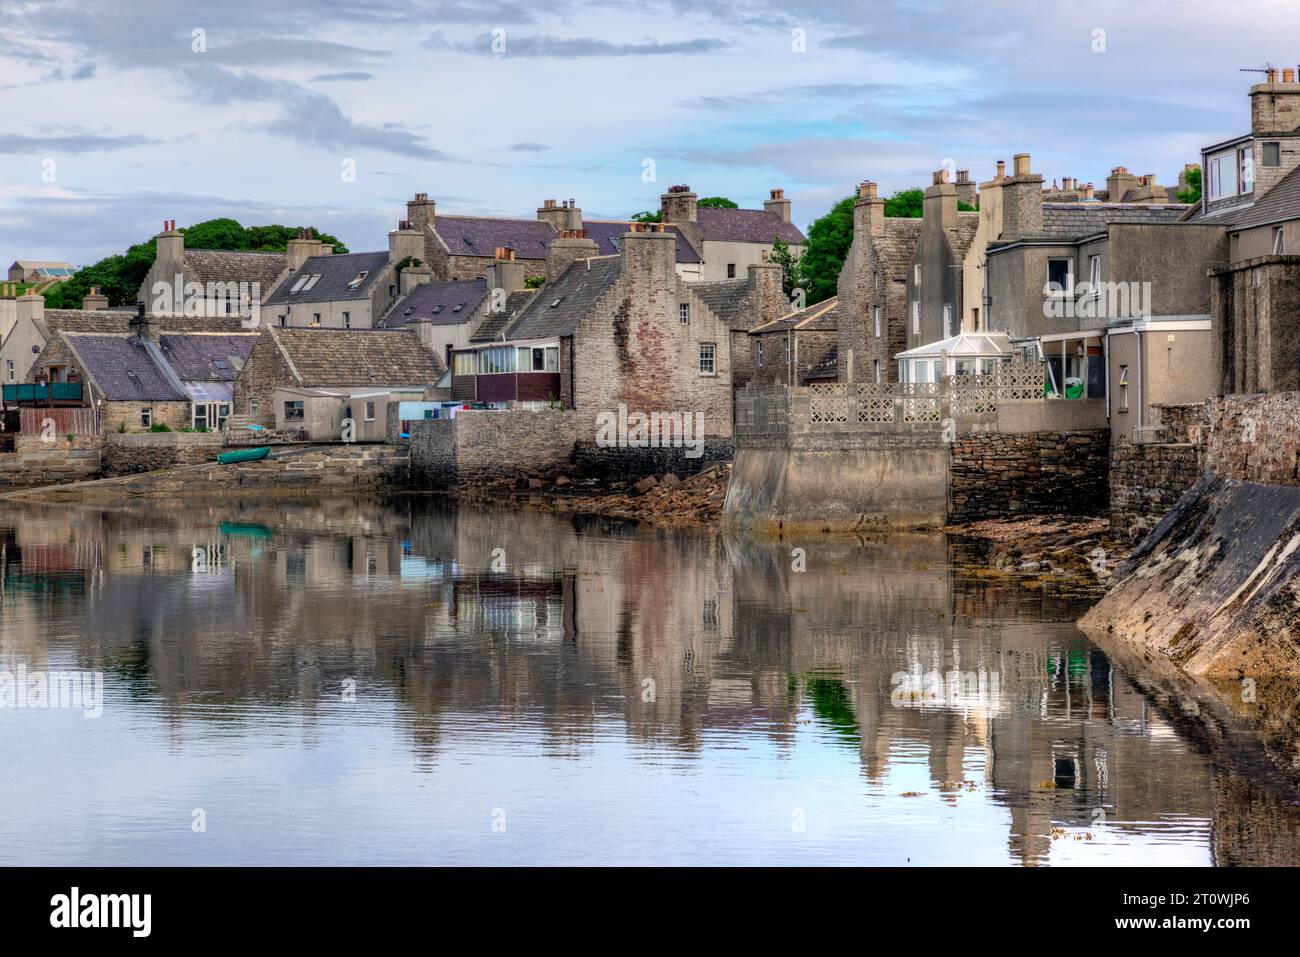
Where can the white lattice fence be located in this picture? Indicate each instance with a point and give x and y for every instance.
(828, 404)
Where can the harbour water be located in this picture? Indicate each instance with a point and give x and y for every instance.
(412, 682)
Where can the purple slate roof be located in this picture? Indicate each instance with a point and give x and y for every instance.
(442, 303)
(481, 235)
(745, 226)
(606, 234)
(122, 368)
(195, 358)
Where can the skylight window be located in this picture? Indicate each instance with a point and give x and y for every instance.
(437, 309)
(297, 287)
(311, 282)
(358, 280)
(555, 302)
(459, 308)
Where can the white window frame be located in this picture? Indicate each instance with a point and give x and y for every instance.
(916, 317)
(947, 320)
(1278, 241)
(370, 410)
(684, 312)
(875, 315)
(708, 359)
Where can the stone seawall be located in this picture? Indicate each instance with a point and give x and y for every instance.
(35, 463)
(1146, 481)
(1255, 438)
(338, 469)
(485, 446)
(998, 475)
(131, 453)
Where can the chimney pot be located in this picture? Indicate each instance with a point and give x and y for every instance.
(1002, 169)
(1288, 76)
(1021, 164)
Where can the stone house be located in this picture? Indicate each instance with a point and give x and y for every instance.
(755, 298)
(146, 377)
(351, 372)
(462, 248)
(798, 348)
(195, 283)
(449, 315)
(1066, 281)
(729, 241)
(348, 291)
(1252, 190)
(937, 297)
(873, 291)
(609, 331)
(34, 325)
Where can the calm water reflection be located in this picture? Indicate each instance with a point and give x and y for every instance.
(597, 692)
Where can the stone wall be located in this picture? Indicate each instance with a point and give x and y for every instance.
(1255, 438)
(127, 454)
(482, 445)
(625, 463)
(35, 463)
(1146, 481)
(336, 469)
(996, 475)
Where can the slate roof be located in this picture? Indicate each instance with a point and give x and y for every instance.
(606, 233)
(967, 224)
(1072, 221)
(822, 317)
(123, 368)
(495, 323)
(215, 265)
(560, 306)
(726, 300)
(335, 272)
(194, 357)
(828, 367)
(1280, 203)
(347, 357)
(86, 320)
(442, 303)
(745, 226)
(481, 235)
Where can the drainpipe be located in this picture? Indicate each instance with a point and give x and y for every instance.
(1141, 383)
(1105, 361)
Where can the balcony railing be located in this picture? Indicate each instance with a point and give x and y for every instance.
(42, 392)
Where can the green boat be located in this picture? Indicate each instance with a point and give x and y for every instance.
(243, 455)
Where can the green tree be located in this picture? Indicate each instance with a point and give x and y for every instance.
(791, 274)
(717, 202)
(829, 238)
(905, 204)
(647, 216)
(1192, 194)
(120, 276)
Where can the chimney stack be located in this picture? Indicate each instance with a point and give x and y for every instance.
(94, 300)
(1275, 105)
(1120, 183)
(553, 213)
(506, 273)
(170, 243)
(940, 203)
(966, 192)
(300, 248)
(405, 243)
(678, 205)
(570, 246)
(649, 251)
(420, 212)
(30, 305)
(868, 211)
(145, 325)
(778, 204)
(1022, 201)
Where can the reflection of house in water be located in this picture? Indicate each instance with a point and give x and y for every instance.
(514, 607)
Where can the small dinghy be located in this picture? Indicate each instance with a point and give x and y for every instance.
(243, 455)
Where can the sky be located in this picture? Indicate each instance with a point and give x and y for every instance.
(332, 113)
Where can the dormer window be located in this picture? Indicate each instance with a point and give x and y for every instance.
(358, 280)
